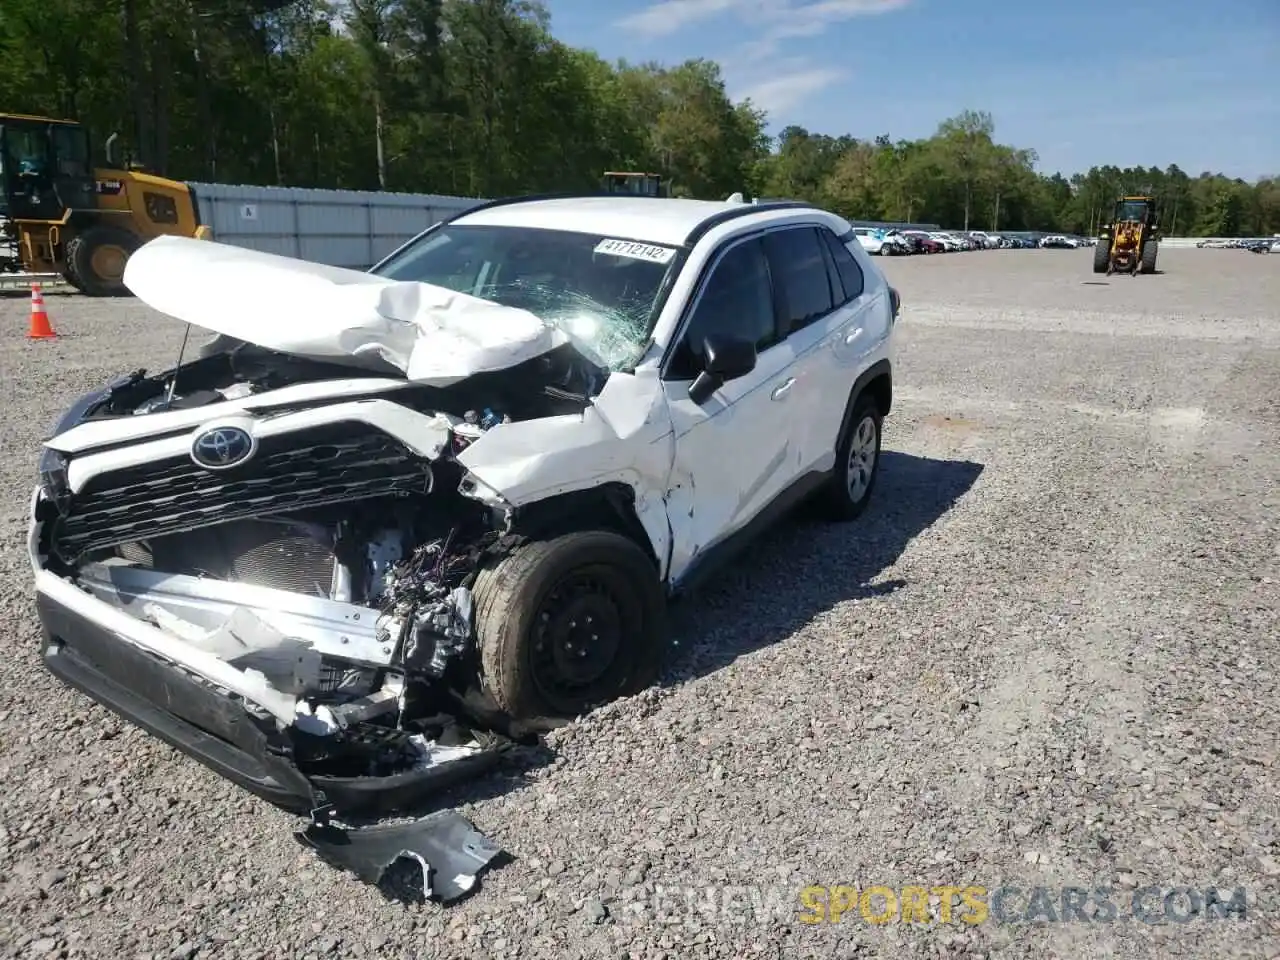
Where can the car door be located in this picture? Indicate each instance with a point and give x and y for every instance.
(860, 321)
(733, 452)
(807, 295)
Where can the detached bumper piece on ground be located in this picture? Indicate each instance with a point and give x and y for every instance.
(437, 857)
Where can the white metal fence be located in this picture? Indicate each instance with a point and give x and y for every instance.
(342, 228)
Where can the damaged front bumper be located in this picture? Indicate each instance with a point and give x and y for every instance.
(87, 646)
(254, 734)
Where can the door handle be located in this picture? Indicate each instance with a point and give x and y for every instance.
(780, 392)
(852, 336)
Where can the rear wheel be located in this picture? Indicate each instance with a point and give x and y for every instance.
(1149, 257)
(567, 624)
(857, 462)
(96, 260)
(1101, 254)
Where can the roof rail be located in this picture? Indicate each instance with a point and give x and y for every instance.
(694, 236)
(744, 210)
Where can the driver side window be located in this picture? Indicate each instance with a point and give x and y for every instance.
(736, 300)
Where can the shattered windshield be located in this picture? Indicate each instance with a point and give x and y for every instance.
(601, 291)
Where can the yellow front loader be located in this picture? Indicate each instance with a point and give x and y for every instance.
(634, 184)
(60, 214)
(1129, 243)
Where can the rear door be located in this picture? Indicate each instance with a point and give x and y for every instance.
(827, 313)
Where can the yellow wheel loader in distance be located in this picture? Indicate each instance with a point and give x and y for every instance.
(634, 184)
(61, 214)
(1129, 243)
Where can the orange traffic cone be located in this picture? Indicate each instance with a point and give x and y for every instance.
(41, 329)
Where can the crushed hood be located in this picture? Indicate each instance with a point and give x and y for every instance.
(431, 334)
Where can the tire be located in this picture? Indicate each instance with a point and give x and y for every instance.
(72, 280)
(528, 609)
(1149, 250)
(1101, 254)
(95, 260)
(844, 499)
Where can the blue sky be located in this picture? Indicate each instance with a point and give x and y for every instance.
(1080, 81)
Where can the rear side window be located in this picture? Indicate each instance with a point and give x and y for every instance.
(736, 300)
(852, 282)
(799, 271)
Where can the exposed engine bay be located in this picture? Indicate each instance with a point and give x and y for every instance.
(335, 563)
(560, 381)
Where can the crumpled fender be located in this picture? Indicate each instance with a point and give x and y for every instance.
(625, 436)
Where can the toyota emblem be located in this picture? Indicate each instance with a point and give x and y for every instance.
(222, 447)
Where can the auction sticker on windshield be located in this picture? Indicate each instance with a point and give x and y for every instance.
(635, 251)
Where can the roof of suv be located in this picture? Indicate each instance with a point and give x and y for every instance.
(650, 219)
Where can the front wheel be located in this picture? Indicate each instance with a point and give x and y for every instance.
(96, 260)
(1101, 257)
(567, 624)
(1148, 263)
(857, 462)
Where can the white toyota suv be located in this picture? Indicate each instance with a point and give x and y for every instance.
(383, 519)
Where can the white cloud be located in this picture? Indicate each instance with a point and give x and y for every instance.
(670, 16)
(809, 19)
(781, 93)
(755, 70)
(779, 18)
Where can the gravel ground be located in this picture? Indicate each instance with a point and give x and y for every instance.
(1047, 657)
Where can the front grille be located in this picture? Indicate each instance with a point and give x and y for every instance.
(337, 463)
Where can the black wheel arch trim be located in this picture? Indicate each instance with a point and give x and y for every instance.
(881, 368)
(610, 506)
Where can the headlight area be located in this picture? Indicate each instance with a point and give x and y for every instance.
(39, 510)
(53, 480)
(50, 498)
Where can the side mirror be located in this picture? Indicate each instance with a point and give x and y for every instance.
(724, 359)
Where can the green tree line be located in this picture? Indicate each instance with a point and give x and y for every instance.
(478, 98)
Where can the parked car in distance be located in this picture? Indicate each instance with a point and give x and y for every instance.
(871, 239)
(894, 244)
(924, 242)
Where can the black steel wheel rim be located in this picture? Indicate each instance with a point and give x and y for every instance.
(579, 633)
